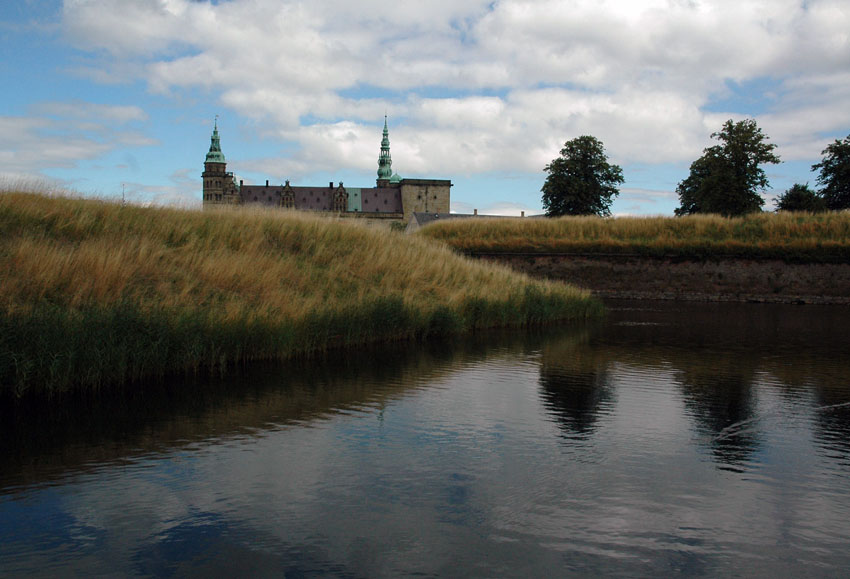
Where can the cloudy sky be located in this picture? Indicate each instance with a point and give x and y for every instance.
(100, 95)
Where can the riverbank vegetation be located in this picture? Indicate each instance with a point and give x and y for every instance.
(793, 237)
(95, 293)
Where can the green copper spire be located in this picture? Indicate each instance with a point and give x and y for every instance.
(215, 155)
(385, 162)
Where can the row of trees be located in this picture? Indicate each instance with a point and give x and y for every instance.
(727, 179)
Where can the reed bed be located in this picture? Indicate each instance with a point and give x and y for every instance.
(95, 293)
(793, 237)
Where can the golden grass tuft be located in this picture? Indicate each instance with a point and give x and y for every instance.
(790, 236)
(95, 292)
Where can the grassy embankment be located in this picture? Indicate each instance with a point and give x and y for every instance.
(93, 293)
(793, 237)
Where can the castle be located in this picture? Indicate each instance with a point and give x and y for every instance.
(392, 199)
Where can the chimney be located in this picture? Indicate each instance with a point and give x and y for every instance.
(475, 211)
(267, 182)
(331, 185)
(240, 182)
(522, 213)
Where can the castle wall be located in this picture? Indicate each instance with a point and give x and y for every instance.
(425, 196)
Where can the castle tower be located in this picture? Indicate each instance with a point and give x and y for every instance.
(385, 161)
(219, 186)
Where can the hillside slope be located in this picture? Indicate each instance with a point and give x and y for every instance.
(93, 293)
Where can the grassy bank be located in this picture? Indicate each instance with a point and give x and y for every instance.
(794, 237)
(93, 293)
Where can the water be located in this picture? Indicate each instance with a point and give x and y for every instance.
(693, 439)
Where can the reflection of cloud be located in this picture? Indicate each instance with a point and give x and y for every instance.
(441, 459)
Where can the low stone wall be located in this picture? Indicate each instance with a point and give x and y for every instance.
(632, 276)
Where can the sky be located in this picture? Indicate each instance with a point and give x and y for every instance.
(112, 97)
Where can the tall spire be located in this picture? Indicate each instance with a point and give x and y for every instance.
(385, 161)
(215, 155)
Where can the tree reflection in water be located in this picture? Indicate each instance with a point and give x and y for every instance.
(722, 403)
(717, 355)
(575, 385)
(576, 400)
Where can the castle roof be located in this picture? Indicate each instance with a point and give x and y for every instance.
(215, 155)
(385, 161)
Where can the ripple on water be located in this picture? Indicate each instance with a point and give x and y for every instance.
(690, 439)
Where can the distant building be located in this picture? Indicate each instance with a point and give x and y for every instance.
(393, 198)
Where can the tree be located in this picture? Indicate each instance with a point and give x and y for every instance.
(835, 174)
(728, 179)
(581, 181)
(800, 198)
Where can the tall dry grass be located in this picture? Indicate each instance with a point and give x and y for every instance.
(93, 292)
(821, 237)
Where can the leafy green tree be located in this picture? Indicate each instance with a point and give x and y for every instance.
(728, 178)
(835, 174)
(800, 198)
(581, 181)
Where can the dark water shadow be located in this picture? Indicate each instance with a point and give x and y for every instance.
(575, 384)
(41, 439)
(716, 353)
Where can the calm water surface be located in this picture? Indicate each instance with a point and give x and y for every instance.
(693, 439)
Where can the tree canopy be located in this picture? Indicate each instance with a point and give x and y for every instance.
(800, 198)
(581, 181)
(835, 174)
(728, 178)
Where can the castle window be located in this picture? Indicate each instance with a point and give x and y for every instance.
(385, 201)
(255, 197)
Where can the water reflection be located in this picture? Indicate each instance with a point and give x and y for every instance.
(575, 385)
(41, 441)
(722, 402)
(718, 355)
(832, 426)
(686, 438)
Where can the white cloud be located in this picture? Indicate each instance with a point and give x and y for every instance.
(85, 110)
(60, 135)
(513, 79)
